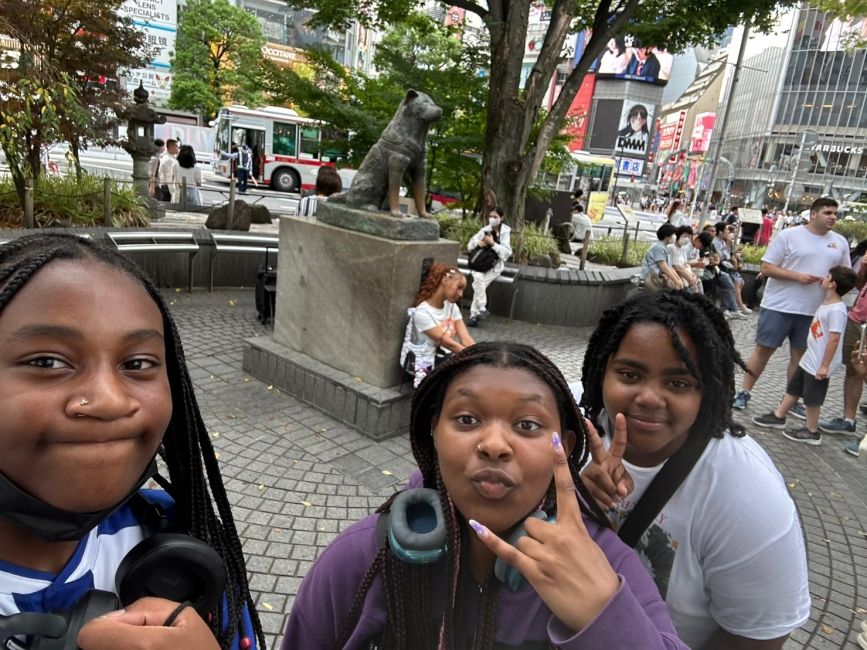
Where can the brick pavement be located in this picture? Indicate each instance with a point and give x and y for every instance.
(296, 478)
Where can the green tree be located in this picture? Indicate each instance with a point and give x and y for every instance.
(512, 156)
(82, 43)
(846, 9)
(218, 58)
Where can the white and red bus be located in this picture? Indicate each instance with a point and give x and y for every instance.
(287, 148)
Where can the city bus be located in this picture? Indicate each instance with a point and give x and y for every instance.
(287, 148)
(588, 172)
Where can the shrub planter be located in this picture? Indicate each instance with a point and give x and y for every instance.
(560, 297)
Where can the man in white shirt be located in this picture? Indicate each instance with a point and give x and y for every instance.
(166, 172)
(795, 263)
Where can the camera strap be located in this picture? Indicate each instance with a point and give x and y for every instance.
(661, 489)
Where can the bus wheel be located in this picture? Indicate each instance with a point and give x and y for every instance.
(286, 180)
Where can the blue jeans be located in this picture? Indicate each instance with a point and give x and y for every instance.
(727, 300)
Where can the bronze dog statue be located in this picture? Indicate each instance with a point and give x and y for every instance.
(401, 149)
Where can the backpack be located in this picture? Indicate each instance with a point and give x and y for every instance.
(482, 258)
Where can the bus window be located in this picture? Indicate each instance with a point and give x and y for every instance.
(284, 139)
(221, 140)
(309, 143)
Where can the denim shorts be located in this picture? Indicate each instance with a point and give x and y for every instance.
(776, 326)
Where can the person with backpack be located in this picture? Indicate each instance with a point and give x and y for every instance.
(488, 251)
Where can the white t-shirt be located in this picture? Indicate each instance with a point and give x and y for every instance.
(427, 317)
(828, 319)
(678, 255)
(679, 219)
(798, 249)
(726, 551)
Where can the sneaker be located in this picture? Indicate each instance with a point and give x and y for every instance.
(484, 314)
(836, 425)
(851, 448)
(741, 400)
(798, 411)
(734, 315)
(473, 321)
(813, 438)
(746, 310)
(770, 420)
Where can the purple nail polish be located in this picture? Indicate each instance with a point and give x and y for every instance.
(481, 531)
(555, 440)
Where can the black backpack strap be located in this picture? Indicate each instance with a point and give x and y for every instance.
(661, 489)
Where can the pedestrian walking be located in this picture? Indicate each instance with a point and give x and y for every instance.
(154, 189)
(188, 172)
(166, 171)
(822, 358)
(795, 263)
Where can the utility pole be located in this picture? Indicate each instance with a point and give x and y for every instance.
(720, 133)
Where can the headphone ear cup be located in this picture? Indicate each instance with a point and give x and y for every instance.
(416, 528)
(508, 574)
(172, 566)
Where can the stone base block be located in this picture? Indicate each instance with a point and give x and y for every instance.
(375, 412)
(378, 223)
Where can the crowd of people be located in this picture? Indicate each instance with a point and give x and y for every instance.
(628, 511)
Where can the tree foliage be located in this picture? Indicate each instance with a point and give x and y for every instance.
(512, 154)
(70, 53)
(218, 57)
(415, 53)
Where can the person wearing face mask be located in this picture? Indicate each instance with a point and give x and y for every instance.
(496, 235)
(678, 256)
(730, 281)
(656, 270)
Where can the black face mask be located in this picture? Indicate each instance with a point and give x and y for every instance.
(54, 524)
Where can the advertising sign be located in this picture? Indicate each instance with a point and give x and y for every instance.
(634, 131)
(579, 113)
(630, 166)
(625, 57)
(606, 118)
(670, 132)
(701, 132)
(158, 19)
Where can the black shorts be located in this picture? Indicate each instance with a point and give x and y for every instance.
(806, 386)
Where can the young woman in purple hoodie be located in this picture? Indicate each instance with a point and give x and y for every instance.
(498, 437)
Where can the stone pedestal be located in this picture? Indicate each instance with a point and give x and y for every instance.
(340, 319)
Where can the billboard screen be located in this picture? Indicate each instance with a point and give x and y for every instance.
(625, 57)
(701, 132)
(633, 132)
(606, 117)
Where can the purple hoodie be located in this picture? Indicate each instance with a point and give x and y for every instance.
(635, 617)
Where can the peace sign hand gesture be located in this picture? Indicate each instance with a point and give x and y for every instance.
(560, 560)
(605, 475)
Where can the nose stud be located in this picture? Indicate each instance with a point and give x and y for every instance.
(83, 402)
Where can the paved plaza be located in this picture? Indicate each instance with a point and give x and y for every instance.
(296, 477)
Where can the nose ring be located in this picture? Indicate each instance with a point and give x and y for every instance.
(479, 448)
(83, 402)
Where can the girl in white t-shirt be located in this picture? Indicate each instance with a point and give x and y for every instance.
(436, 325)
(726, 549)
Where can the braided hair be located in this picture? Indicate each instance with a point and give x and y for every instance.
(194, 480)
(408, 623)
(432, 281)
(677, 311)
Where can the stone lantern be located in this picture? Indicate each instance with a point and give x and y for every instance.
(140, 137)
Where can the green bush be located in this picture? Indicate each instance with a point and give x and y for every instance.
(753, 254)
(534, 242)
(854, 231)
(457, 229)
(60, 201)
(609, 250)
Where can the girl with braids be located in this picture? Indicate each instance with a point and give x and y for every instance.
(93, 383)
(726, 549)
(436, 327)
(497, 435)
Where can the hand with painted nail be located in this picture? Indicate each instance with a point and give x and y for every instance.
(142, 626)
(560, 560)
(605, 476)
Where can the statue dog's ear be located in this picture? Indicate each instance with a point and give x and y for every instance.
(410, 95)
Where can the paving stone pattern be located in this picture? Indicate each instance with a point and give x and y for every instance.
(296, 478)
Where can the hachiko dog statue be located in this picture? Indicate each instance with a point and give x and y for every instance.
(400, 149)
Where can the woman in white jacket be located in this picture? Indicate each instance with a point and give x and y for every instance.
(495, 235)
